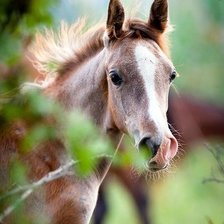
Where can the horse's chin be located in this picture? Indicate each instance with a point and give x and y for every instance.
(155, 167)
(150, 172)
(155, 174)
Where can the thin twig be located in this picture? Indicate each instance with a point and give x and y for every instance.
(61, 171)
(213, 180)
(11, 208)
(217, 154)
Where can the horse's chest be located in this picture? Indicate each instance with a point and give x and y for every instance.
(67, 199)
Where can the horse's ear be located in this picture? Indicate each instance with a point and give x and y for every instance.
(159, 15)
(115, 19)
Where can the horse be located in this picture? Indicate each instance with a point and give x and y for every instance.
(192, 121)
(119, 76)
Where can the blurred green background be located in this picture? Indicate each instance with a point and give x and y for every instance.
(197, 47)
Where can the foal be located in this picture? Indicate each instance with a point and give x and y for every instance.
(119, 76)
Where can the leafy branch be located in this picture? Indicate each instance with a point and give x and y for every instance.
(28, 189)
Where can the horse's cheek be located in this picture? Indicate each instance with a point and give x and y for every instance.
(116, 109)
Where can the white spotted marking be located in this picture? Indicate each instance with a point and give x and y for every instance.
(147, 63)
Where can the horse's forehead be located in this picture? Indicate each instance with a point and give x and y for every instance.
(145, 55)
(134, 55)
(149, 50)
(140, 49)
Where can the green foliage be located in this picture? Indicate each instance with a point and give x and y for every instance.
(8, 54)
(85, 142)
(39, 14)
(18, 21)
(18, 173)
(131, 157)
(32, 107)
(38, 133)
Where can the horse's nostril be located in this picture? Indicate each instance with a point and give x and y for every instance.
(153, 163)
(149, 143)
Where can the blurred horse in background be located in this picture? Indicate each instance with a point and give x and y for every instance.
(192, 121)
(119, 76)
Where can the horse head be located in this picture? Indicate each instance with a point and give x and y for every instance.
(139, 76)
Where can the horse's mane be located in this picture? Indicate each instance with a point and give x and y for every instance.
(54, 54)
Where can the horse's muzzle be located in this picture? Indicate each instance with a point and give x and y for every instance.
(163, 152)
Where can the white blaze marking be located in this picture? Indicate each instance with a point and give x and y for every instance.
(147, 63)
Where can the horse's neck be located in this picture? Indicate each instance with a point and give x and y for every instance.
(84, 89)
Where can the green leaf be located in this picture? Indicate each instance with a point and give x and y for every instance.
(85, 142)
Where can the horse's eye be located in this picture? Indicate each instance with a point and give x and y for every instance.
(173, 75)
(115, 78)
